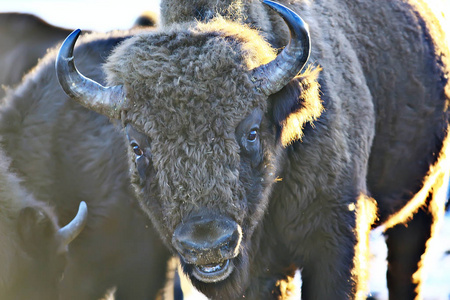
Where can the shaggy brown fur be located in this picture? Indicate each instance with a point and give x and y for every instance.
(176, 80)
(30, 265)
(65, 154)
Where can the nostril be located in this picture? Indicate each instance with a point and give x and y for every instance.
(185, 247)
(230, 242)
(226, 248)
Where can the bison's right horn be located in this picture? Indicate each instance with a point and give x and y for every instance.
(108, 101)
(273, 76)
(69, 232)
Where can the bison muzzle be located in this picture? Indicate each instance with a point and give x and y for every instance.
(208, 243)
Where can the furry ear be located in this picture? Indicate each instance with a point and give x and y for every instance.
(36, 230)
(297, 104)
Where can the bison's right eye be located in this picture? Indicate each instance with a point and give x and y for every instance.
(136, 149)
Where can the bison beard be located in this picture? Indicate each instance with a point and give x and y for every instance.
(226, 165)
(231, 287)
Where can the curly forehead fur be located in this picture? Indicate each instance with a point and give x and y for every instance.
(174, 75)
(185, 55)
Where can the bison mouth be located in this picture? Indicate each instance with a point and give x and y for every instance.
(215, 272)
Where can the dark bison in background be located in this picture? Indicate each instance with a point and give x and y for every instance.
(33, 248)
(25, 38)
(247, 170)
(64, 154)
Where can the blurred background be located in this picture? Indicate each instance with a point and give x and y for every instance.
(100, 15)
(105, 15)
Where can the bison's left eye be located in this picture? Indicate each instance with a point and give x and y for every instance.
(252, 135)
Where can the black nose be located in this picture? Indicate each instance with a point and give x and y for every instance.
(207, 240)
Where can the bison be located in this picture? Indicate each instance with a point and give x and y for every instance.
(64, 154)
(32, 246)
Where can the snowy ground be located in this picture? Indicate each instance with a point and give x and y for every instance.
(437, 283)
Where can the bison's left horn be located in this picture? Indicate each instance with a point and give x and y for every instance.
(108, 101)
(273, 76)
(69, 232)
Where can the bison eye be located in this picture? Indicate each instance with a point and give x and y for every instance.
(252, 135)
(136, 149)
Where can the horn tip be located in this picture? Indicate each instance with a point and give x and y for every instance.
(83, 205)
(82, 208)
(74, 35)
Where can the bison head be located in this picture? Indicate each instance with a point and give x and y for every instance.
(203, 108)
(36, 263)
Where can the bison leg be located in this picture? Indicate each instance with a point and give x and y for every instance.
(328, 275)
(336, 264)
(406, 245)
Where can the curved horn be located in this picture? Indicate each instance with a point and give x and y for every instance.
(69, 232)
(107, 101)
(273, 76)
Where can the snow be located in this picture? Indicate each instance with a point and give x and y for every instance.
(437, 281)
